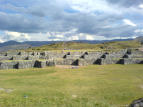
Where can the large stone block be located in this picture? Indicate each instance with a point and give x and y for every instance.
(26, 64)
(5, 58)
(111, 55)
(72, 56)
(76, 53)
(18, 57)
(92, 55)
(56, 55)
(134, 51)
(133, 56)
(35, 53)
(131, 61)
(103, 61)
(44, 57)
(3, 54)
(12, 53)
(23, 53)
(31, 57)
(8, 65)
(82, 62)
(66, 61)
(50, 63)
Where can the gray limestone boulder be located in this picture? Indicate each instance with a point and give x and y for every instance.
(137, 103)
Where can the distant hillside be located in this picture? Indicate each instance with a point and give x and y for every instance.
(86, 46)
(140, 38)
(8, 43)
(31, 43)
(40, 43)
(13, 45)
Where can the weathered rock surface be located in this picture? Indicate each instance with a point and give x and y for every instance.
(25, 64)
(137, 103)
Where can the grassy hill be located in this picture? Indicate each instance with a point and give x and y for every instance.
(85, 46)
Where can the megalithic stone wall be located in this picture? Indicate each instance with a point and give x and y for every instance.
(131, 61)
(21, 60)
(25, 64)
(8, 65)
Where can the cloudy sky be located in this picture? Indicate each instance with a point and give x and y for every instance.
(46, 20)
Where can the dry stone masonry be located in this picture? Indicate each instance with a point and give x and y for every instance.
(21, 60)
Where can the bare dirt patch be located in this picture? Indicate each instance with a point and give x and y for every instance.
(68, 66)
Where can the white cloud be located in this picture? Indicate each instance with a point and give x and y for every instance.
(138, 31)
(13, 34)
(108, 26)
(1, 40)
(141, 6)
(90, 6)
(59, 36)
(129, 22)
(89, 37)
(16, 36)
(26, 36)
(73, 38)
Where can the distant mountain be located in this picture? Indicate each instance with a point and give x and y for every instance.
(140, 38)
(112, 45)
(40, 43)
(8, 43)
(14, 45)
(31, 43)
(100, 41)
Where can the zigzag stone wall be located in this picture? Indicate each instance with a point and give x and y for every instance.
(21, 60)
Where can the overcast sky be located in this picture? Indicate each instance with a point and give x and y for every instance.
(47, 20)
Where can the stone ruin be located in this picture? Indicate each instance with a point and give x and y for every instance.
(20, 60)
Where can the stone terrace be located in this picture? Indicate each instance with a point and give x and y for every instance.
(21, 60)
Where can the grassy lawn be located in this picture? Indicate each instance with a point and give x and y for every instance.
(91, 86)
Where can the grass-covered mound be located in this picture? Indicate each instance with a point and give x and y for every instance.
(91, 86)
(85, 46)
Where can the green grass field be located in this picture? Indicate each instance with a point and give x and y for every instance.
(91, 86)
